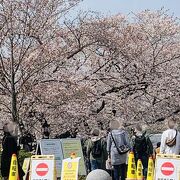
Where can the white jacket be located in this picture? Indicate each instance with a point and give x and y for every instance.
(168, 135)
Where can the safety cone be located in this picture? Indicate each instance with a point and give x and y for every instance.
(140, 170)
(131, 173)
(150, 173)
(13, 173)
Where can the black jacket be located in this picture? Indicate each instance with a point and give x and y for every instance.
(9, 145)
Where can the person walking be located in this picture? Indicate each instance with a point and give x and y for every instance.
(96, 149)
(170, 140)
(142, 147)
(118, 145)
(9, 146)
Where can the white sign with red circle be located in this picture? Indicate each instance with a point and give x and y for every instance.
(167, 168)
(42, 169)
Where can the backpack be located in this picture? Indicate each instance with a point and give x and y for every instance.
(140, 146)
(97, 149)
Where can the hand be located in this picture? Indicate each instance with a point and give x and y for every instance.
(108, 164)
(109, 159)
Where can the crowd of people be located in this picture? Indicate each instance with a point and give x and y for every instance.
(111, 153)
(108, 152)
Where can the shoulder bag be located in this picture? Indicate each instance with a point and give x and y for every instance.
(123, 149)
(172, 142)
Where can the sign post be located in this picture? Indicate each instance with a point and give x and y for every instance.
(70, 169)
(43, 168)
(167, 167)
(25, 167)
(73, 146)
(61, 149)
(52, 147)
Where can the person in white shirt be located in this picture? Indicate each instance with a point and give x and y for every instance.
(170, 140)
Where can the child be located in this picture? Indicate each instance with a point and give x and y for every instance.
(157, 150)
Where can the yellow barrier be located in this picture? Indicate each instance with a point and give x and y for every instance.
(140, 170)
(13, 173)
(150, 173)
(131, 173)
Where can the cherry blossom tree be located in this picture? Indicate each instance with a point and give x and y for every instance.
(84, 72)
(27, 32)
(134, 65)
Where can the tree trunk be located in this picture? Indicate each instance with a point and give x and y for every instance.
(13, 89)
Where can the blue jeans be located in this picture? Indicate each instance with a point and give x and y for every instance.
(95, 164)
(120, 171)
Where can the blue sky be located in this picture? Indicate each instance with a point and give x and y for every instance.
(127, 6)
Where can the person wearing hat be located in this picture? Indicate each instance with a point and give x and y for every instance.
(96, 149)
(9, 146)
(118, 145)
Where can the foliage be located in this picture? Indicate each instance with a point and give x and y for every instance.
(22, 155)
(82, 178)
(73, 74)
(28, 48)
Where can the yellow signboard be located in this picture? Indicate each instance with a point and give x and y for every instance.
(25, 167)
(70, 169)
